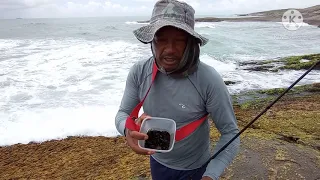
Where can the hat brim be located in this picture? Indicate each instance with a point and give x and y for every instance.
(145, 34)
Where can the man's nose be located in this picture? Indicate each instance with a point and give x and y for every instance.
(171, 47)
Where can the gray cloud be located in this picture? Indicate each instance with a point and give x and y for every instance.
(80, 8)
(22, 4)
(12, 4)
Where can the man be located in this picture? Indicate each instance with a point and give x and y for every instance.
(185, 90)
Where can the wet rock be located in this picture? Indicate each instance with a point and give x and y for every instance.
(229, 82)
(259, 68)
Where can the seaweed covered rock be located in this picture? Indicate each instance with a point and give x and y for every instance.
(301, 62)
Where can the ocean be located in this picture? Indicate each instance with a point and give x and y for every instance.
(65, 77)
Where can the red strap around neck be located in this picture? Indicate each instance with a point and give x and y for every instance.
(186, 130)
(130, 122)
(180, 133)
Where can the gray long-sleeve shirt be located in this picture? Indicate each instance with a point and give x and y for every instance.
(185, 100)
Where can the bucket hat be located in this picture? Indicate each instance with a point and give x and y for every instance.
(169, 13)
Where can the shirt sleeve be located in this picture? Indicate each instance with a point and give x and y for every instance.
(219, 105)
(129, 101)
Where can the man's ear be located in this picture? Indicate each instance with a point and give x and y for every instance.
(152, 46)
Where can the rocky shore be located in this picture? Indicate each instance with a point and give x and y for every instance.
(302, 62)
(287, 63)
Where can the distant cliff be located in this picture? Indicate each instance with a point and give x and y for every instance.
(311, 15)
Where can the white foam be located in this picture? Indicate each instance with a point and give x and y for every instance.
(205, 25)
(41, 125)
(65, 88)
(266, 80)
(131, 22)
(7, 44)
(135, 22)
(221, 67)
(301, 24)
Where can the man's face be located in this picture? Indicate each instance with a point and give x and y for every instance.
(169, 46)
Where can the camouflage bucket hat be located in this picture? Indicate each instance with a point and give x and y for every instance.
(169, 13)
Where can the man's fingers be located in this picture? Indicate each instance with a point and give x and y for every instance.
(144, 115)
(134, 136)
(134, 146)
(142, 118)
(137, 135)
(138, 150)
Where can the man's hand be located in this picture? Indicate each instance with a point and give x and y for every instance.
(132, 138)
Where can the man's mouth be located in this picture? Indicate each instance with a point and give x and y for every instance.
(169, 60)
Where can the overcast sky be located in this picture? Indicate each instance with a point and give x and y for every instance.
(91, 8)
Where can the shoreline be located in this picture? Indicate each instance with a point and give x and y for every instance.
(242, 99)
(271, 147)
(289, 63)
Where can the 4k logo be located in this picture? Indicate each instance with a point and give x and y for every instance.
(292, 19)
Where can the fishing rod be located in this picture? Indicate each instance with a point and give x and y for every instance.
(258, 116)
